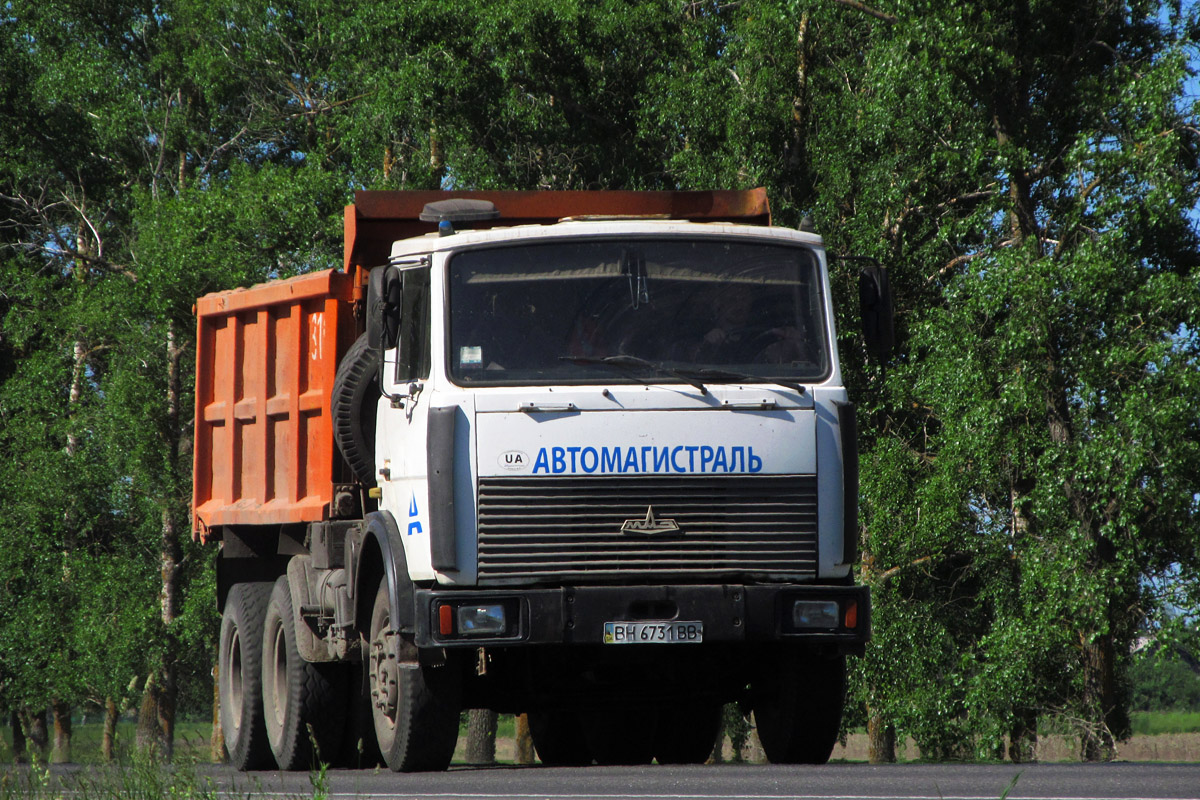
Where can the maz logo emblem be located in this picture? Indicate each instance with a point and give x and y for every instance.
(649, 524)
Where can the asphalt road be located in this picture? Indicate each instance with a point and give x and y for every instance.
(1121, 781)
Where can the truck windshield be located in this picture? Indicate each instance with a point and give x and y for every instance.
(553, 312)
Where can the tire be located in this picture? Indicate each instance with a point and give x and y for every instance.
(415, 708)
(797, 701)
(619, 737)
(240, 676)
(353, 405)
(304, 704)
(687, 735)
(558, 738)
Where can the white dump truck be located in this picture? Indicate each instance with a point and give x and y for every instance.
(585, 456)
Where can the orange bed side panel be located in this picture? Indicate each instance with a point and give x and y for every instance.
(266, 358)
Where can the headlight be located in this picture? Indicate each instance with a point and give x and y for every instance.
(481, 619)
(815, 614)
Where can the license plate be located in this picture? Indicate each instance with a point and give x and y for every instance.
(653, 632)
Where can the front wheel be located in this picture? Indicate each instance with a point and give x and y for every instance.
(619, 737)
(415, 708)
(558, 738)
(797, 700)
(688, 734)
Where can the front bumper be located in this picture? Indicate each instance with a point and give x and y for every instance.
(576, 615)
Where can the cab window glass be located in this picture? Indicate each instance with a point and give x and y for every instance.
(538, 313)
(414, 354)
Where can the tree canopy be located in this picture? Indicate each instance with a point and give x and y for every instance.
(1028, 171)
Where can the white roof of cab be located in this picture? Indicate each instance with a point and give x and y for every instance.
(431, 243)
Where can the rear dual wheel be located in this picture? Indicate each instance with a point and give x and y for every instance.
(239, 672)
(304, 703)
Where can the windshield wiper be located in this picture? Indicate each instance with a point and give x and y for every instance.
(727, 376)
(631, 363)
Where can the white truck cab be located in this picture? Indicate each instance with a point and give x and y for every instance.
(620, 365)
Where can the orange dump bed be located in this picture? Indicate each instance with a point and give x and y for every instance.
(266, 360)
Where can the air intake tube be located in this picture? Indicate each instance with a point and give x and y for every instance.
(440, 449)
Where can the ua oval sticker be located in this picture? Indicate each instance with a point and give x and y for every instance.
(513, 460)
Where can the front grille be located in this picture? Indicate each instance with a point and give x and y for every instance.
(730, 526)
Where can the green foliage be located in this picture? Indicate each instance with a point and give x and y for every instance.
(1028, 173)
(1163, 681)
(1029, 469)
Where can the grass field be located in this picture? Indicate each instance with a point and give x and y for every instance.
(1154, 723)
(191, 741)
(192, 738)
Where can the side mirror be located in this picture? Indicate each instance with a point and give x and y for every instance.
(383, 308)
(878, 311)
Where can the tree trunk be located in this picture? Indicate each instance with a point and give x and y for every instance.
(738, 729)
(62, 733)
(165, 708)
(481, 736)
(36, 734)
(147, 737)
(18, 738)
(524, 740)
(1023, 739)
(156, 722)
(881, 739)
(108, 741)
(796, 152)
(389, 161)
(156, 717)
(437, 162)
(60, 710)
(217, 742)
(1099, 698)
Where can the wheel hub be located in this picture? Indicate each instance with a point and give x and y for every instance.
(234, 676)
(384, 675)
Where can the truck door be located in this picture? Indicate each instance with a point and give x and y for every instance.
(403, 421)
